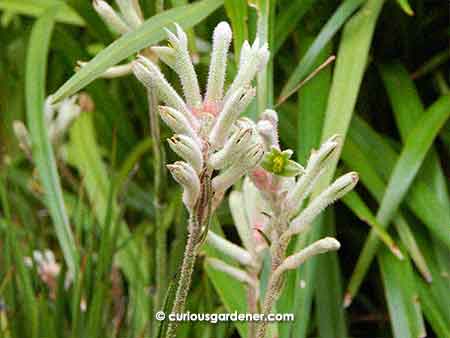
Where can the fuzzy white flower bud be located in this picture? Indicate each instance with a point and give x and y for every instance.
(251, 158)
(245, 52)
(115, 23)
(230, 249)
(68, 110)
(316, 164)
(217, 69)
(188, 150)
(22, 135)
(186, 176)
(184, 67)
(177, 121)
(150, 75)
(236, 273)
(166, 55)
(268, 128)
(232, 149)
(254, 61)
(229, 114)
(319, 247)
(339, 188)
(130, 12)
(112, 72)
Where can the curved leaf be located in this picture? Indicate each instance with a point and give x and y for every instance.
(149, 33)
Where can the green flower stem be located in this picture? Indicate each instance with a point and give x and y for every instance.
(161, 235)
(274, 286)
(187, 268)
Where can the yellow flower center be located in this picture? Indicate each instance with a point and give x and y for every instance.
(278, 164)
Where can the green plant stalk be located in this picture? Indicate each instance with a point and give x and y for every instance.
(187, 268)
(160, 229)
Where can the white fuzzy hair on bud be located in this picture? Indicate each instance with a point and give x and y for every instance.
(217, 69)
(184, 68)
(229, 114)
(130, 12)
(177, 121)
(339, 188)
(112, 72)
(22, 135)
(314, 169)
(254, 61)
(186, 176)
(230, 249)
(68, 110)
(188, 150)
(232, 149)
(319, 247)
(150, 75)
(231, 175)
(236, 273)
(113, 20)
(166, 55)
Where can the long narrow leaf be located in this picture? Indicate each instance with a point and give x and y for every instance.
(43, 156)
(147, 34)
(326, 34)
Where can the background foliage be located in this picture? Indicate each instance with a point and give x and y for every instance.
(387, 92)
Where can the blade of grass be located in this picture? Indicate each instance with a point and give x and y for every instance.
(329, 310)
(288, 19)
(306, 65)
(232, 293)
(36, 67)
(402, 297)
(150, 32)
(84, 154)
(36, 8)
(405, 6)
(237, 12)
(420, 198)
(417, 144)
(360, 209)
(350, 65)
(355, 158)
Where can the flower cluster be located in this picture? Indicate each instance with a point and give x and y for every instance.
(210, 137)
(272, 207)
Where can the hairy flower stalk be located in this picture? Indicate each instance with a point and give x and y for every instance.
(217, 149)
(271, 209)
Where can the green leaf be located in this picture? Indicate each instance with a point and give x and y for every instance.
(36, 67)
(232, 293)
(288, 19)
(402, 296)
(350, 66)
(149, 33)
(305, 66)
(237, 12)
(329, 310)
(65, 13)
(85, 154)
(404, 4)
(417, 144)
(360, 209)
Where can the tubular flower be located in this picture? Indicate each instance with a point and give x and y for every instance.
(210, 136)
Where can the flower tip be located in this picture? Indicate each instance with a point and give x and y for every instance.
(223, 31)
(330, 244)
